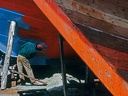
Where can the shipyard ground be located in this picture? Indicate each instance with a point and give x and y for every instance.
(52, 75)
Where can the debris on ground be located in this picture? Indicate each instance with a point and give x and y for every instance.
(54, 87)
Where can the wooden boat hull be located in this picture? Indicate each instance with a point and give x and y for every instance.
(32, 26)
(98, 36)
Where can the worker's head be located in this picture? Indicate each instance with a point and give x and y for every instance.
(39, 47)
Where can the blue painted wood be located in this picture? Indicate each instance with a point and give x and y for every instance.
(8, 16)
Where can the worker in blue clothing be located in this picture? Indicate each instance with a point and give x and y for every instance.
(26, 52)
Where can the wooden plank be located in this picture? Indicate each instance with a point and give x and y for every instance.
(116, 85)
(107, 6)
(120, 3)
(7, 55)
(80, 18)
(101, 38)
(123, 3)
(90, 11)
(114, 49)
(84, 20)
(116, 59)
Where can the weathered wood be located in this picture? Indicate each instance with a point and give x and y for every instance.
(8, 54)
(114, 57)
(123, 3)
(119, 4)
(98, 14)
(105, 39)
(88, 15)
(111, 47)
(114, 7)
(89, 21)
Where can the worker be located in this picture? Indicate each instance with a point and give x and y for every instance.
(26, 52)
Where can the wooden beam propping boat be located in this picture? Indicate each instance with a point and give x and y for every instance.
(97, 30)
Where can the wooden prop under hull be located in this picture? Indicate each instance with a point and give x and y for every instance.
(101, 68)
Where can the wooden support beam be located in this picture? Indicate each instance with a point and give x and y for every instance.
(8, 54)
(113, 82)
